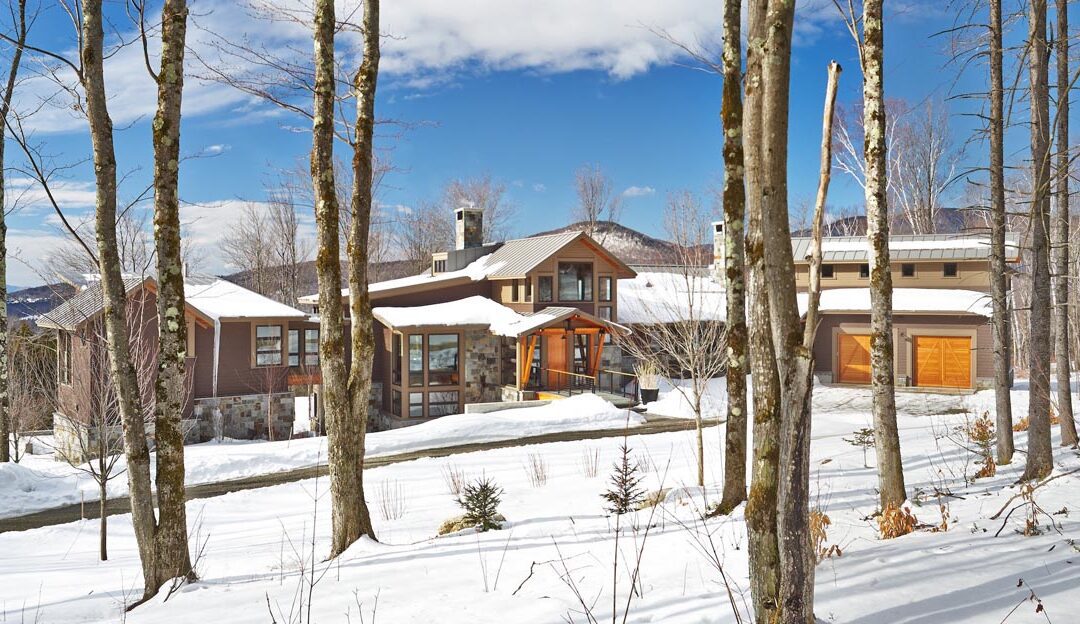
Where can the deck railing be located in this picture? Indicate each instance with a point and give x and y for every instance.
(571, 383)
(609, 381)
(616, 382)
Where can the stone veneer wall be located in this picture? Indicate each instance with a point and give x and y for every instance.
(481, 375)
(244, 417)
(78, 442)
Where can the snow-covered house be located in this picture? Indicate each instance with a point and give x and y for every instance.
(941, 307)
(243, 351)
(493, 322)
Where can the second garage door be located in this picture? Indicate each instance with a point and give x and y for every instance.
(943, 361)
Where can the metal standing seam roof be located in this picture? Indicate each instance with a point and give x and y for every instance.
(907, 247)
(517, 257)
(86, 304)
(553, 314)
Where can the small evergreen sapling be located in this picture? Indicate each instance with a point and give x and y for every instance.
(480, 499)
(864, 439)
(626, 492)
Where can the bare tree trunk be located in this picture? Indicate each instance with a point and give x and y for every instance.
(825, 175)
(1040, 454)
(173, 557)
(761, 503)
(357, 522)
(998, 273)
(343, 486)
(731, 116)
(6, 428)
(1061, 235)
(793, 359)
(103, 522)
(890, 466)
(129, 398)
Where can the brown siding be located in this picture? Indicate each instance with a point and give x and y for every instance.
(235, 372)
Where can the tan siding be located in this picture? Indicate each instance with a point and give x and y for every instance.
(971, 276)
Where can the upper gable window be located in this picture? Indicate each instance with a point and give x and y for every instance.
(864, 271)
(605, 288)
(907, 270)
(544, 283)
(950, 269)
(575, 281)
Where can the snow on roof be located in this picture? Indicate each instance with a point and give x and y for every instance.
(477, 310)
(475, 271)
(921, 300)
(218, 299)
(657, 297)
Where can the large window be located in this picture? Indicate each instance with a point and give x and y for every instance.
(442, 359)
(63, 353)
(294, 347)
(311, 347)
(442, 403)
(268, 345)
(545, 286)
(416, 360)
(605, 288)
(395, 356)
(575, 281)
(416, 405)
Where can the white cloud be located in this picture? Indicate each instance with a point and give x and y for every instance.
(206, 224)
(638, 191)
(27, 196)
(539, 187)
(28, 251)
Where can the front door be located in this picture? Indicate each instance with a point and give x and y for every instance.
(555, 352)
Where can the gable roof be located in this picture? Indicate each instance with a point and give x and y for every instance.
(86, 304)
(908, 247)
(512, 260)
(211, 297)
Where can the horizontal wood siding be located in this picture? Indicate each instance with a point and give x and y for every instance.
(970, 276)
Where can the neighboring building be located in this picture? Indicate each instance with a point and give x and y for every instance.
(492, 322)
(941, 307)
(244, 353)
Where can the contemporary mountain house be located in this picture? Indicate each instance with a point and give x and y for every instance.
(941, 307)
(493, 322)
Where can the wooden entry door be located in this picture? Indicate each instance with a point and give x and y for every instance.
(853, 358)
(555, 356)
(943, 361)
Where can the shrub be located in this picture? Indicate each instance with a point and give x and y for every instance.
(982, 435)
(896, 521)
(480, 500)
(625, 492)
(819, 535)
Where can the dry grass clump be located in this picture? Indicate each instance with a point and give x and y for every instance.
(819, 535)
(590, 462)
(455, 479)
(896, 521)
(391, 500)
(1023, 424)
(537, 470)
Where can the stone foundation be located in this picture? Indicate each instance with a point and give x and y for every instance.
(244, 417)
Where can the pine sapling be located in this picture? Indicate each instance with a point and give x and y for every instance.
(480, 499)
(625, 492)
(864, 439)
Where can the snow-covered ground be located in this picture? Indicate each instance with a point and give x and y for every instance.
(40, 482)
(559, 542)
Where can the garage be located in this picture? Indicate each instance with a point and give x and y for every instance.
(942, 361)
(853, 365)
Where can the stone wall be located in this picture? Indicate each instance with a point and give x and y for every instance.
(77, 442)
(481, 375)
(244, 417)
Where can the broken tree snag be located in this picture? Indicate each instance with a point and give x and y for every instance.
(814, 290)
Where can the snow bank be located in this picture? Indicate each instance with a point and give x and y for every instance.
(41, 483)
(667, 297)
(905, 300)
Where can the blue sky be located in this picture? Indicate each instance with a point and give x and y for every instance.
(504, 88)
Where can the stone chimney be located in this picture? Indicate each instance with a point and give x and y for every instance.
(719, 245)
(469, 227)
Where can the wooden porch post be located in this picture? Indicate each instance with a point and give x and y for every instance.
(600, 337)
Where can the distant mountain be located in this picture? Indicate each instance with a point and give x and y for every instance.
(949, 221)
(634, 247)
(29, 303)
(309, 281)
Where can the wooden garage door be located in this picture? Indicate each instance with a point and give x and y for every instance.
(854, 358)
(943, 361)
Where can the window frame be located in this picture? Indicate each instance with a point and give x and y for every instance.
(605, 312)
(832, 271)
(63, 355)
(550, 279)
(409, 370)
(528, 290)
(904, 266)
(255, 351)
(290, 353)
(411, 405)
(432, 406)
(589, 295)
(955, 270)
(600, 281)
(864, 274)
(311, 357)
(455, 374)
(397, 358)
(515, 291)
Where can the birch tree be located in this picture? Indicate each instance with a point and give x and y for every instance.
(998, 273)
(1039, 451)
(172, 557)
(734, 199)
(597, 201)
(21, 28)
(1060, 234)
(871, 49)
